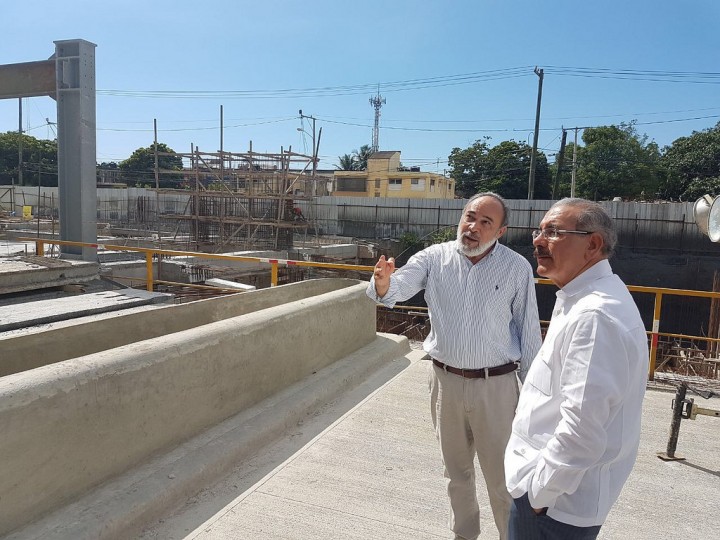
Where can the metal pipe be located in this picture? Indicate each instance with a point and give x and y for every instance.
(669, 454)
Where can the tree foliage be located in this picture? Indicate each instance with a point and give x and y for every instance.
(139, 168)
(362, 156)
(346, 162)
(39, 160)
(504, 169)
(616, 162)
(692, 166)
(356, 161)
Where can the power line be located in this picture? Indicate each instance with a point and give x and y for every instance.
(210, 128)
(687, 77)
(326, 91)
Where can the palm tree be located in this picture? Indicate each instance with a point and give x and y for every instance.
(347, 162)
(362, 156)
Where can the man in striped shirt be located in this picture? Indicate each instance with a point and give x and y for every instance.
(484, 329)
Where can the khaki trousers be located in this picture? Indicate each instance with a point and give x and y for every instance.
(473, 416)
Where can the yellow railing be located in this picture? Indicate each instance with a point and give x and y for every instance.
(654, 333)
(152, 252)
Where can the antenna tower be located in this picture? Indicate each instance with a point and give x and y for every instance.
(377, 102)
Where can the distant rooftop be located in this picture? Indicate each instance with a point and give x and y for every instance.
(384, 154)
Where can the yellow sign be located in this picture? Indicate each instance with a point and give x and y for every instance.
(27, 212)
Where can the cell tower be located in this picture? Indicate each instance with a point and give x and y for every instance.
(377, 102)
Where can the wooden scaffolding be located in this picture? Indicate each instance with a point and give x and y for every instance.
(244, 200)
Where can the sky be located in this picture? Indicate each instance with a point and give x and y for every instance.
(451, 71)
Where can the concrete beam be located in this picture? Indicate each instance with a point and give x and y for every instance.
(27, 79)
(27, 349)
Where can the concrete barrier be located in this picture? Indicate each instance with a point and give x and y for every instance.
(61, 341)
(71, 425)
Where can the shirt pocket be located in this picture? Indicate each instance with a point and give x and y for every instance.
(541, 375)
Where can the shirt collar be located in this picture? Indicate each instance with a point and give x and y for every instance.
(581, 282)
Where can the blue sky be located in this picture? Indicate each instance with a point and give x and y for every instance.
(264, 61)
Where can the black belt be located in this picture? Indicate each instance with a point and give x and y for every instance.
(478, 373)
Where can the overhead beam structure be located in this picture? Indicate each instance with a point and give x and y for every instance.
(69, 78)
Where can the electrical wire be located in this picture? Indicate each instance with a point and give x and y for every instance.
(689, 77)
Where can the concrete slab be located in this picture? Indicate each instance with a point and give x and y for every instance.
(375, 473)
(26, 314)
(29, 272)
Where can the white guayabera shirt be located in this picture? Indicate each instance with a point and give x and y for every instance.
(576, 432)
(482, 315)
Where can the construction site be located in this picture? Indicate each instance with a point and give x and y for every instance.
(204, 362)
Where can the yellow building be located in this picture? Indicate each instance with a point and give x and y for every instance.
(385, 177)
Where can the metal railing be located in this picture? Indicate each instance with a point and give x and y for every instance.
(150, 253)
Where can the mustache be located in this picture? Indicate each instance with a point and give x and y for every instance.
(541, 253)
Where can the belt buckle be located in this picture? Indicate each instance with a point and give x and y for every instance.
(486, 375)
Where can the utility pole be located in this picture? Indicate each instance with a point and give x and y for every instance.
(20, 153)
(157, 191)
(377, 102)
(574, 168)
(222, 157)
(314, 146)
(531, 180)
(560, 160)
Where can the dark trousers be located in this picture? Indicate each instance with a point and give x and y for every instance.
(526, 525)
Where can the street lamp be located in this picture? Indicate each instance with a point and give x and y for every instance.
(301, 130)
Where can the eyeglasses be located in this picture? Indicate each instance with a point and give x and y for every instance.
(551, 233)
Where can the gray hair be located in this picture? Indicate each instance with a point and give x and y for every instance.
(498, 198)
(593, 217)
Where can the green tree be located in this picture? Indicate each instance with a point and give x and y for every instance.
(39, 160)
(468, 167)
(139, 168)
(617, 162)
(692, 166)
(362, 156)
(504, 169)
(346, 162)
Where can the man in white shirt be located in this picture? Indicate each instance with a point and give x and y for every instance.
(484, 327)
(577, 428)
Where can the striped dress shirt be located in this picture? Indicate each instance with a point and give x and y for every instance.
(482, 315)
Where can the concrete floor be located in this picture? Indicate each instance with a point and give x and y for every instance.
(368, 467)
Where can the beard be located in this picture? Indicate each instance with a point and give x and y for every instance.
(475, 251)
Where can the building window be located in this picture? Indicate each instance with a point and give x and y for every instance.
(417, 184)
(377, 183)
(432, 185)
(351, 184)
(395, 184)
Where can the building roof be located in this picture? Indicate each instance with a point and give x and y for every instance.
(385, 154)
